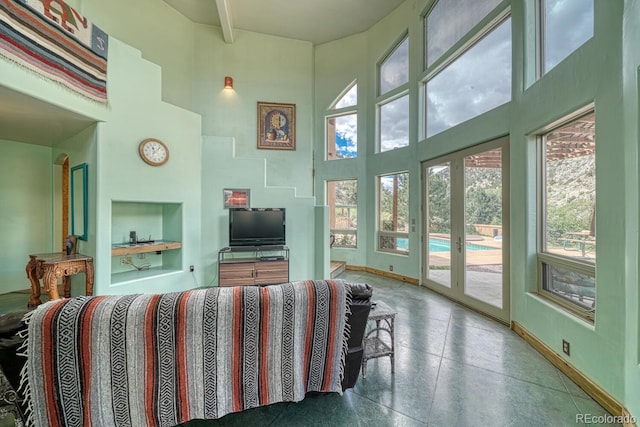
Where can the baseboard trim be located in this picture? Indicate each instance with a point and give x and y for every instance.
(605, 400)
(388, 274)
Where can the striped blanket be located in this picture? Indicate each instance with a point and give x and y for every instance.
(52, 39)
(160, 360)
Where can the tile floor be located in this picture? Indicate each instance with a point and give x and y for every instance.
(454, 367)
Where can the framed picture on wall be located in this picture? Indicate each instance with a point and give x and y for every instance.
(276, 126)
(235, 198)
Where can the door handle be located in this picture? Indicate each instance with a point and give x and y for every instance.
(459, 244)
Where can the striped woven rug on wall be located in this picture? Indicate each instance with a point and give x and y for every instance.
(54, 40)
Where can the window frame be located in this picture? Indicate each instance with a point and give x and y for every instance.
(392, 94)
(345, 231)
(479, 31)
(389, 99)
(394, 46)
(342, 94)
(541, 42)
(498, 13)
(545, 258)
(488, 24)
(346, 111)
(386, 233)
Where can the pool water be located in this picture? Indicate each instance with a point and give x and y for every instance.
(441, 245)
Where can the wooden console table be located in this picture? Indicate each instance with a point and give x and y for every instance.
(49, 267)
(255, 265)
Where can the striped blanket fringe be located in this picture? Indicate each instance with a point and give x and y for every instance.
(161, 360)
(51, 39)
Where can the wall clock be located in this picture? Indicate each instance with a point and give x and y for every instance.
(153, 151)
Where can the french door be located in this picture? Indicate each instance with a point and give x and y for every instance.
(466, 227)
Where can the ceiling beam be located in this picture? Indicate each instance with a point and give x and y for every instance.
(224, 12)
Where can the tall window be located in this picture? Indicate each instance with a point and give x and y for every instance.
(394, 70)
(449, 21)
(393, 213)
(342, 126)
(565, 26)
(393, 106)
(394, 124)
(342, 198)
(475, 82)
(567, 250)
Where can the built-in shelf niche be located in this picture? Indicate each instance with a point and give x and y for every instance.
(156, 221)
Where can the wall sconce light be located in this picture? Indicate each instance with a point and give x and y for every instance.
(228, 82)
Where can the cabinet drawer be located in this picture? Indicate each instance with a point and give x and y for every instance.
(272, 272)
(236, 274)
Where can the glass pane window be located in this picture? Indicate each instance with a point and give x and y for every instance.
(393, 213)
(342, 136)
(394, 124)
(394, 70)
(570, 190)
(571, 286)
(349, 99)
(439, 224)
(449, 21)
(476, 82)
(566, 25)
(342, 198)
(568, 223)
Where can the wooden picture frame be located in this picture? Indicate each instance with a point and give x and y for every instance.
(276, 126)
(236, 198)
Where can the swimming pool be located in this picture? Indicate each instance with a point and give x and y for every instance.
(441, 245)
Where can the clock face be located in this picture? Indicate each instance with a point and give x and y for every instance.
(154, 152)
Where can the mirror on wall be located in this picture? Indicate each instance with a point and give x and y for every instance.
(79, 203)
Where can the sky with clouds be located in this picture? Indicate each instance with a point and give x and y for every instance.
(349, 99)
(476, 82)
(458, 17)
(346, 136)
(569, 23)
(394, 124)
(394, 70)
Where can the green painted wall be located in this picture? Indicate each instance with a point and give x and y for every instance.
(31, 211)
(222, 169)
(164, 36)
(586, 76)
(25, 210)
(264, 68)
(110, 148)
(631, 100)
(136, 113)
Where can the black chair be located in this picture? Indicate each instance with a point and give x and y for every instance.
(11, 363)
(357, 320)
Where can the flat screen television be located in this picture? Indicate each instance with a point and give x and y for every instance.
(256, 227)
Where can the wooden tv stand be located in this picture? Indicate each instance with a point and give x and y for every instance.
(253, 265)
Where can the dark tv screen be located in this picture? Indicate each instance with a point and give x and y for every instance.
(256, 227)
